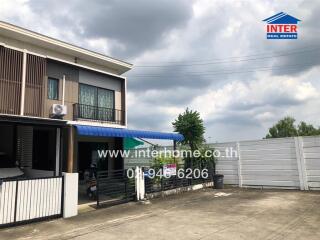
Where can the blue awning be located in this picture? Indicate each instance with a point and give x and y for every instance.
(85, 130)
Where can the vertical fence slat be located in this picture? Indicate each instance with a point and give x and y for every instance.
(31, 203)
(24, 200)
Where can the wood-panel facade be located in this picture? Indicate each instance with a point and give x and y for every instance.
(34, 92)
(10, 80)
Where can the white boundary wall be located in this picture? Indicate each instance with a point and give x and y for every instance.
(290, 163)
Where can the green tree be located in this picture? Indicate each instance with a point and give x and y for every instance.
(190, 125)
(305, 129)
(286, 128)
(283, 128)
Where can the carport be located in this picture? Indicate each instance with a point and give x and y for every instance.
(30, 146)
(107, 177)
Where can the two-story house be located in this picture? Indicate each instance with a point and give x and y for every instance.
(59, 104)
(46, 87)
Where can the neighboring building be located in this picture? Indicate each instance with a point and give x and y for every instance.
(59, 103)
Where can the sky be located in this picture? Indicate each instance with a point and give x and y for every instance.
(208, 55)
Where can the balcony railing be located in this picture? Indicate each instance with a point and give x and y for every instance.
(98, 114)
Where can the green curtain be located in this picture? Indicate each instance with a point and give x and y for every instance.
(105, 98)
(87, 98)
(130, 143)
(88, 95)
(53, 85)
(101, 100)
(106, 105)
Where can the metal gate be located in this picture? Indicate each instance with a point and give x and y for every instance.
(28, 200)
(114, 187)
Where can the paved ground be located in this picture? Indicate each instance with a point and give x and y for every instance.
(205, 214)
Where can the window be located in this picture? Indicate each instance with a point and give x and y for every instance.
(105, 98)
(53, 88)
(88, 95)
(96, 103)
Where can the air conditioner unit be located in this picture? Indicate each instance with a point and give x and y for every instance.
(59, 110)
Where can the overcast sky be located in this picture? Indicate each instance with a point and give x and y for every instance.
(209, 55)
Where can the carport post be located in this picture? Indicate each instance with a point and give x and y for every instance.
(70, 150)
(58, 156)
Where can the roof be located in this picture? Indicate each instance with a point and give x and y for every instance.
(84, 130)
(28, 36)
(281, 18)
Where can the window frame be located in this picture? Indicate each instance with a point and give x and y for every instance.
(58, 83)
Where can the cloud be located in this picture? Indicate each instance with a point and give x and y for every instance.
(252, 96)
(238, 98)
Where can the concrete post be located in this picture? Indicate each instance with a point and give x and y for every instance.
(139, 183)
(70, 201)
(239, 165)
(301, 163)
(142, 185)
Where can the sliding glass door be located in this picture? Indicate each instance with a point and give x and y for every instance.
(105, 105)
(96, 103)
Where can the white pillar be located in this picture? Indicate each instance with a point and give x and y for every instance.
(23, 82)
(142, 186)
(137, 183)
(70, 201)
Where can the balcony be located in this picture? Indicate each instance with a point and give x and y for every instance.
(98, 114)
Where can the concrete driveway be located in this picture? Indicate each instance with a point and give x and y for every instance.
(204, 214)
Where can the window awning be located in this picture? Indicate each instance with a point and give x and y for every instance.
(85, 130)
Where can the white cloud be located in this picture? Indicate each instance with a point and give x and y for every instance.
(254, 95)
(235, 106)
